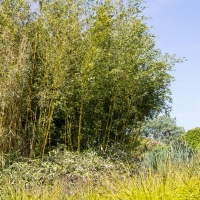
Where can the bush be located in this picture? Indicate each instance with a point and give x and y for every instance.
(158, 153)
(192, 137)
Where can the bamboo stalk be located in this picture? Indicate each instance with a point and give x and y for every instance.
(32, 144)
(1, 136)
(67, 135)
(105, 138)
(47, 130)
(109, 129)
(69, 130)
(79, 128)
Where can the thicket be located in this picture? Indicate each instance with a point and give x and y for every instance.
(77, 73)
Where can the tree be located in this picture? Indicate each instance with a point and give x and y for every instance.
(77, 73)
(161, 127)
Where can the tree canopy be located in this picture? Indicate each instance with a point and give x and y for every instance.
(77, 73)
(161, 127)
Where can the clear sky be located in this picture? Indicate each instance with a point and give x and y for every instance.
(177, 27)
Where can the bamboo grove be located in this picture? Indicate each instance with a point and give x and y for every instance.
(77, 73)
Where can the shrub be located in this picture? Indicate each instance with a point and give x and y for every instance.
(158, 154)
(192, 137)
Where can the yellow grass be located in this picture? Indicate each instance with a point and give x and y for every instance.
(172, 182)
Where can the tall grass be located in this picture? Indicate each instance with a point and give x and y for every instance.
(171, 183)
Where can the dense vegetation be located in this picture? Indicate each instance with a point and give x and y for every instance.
(81, 86)
(77, 73)
(164, 172)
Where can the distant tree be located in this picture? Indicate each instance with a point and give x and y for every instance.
(161, 127)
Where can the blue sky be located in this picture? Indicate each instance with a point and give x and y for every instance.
(177, 27)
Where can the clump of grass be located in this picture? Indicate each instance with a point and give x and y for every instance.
(20, 191)
(172, 181)
(173, 184)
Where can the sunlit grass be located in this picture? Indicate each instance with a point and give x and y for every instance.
(174, 181)
(177, 183)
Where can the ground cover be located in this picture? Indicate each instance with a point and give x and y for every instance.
(66, 175)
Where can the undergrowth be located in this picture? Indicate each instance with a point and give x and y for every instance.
(164, 172)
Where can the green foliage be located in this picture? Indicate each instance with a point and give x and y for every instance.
(66, 175)
(158, 154)
(77, 73)
(171, 183)
(59, 164)
(192, 137)
(161, 127)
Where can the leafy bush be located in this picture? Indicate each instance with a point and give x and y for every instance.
(192, 137)
(158, 154)
(59, 165)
